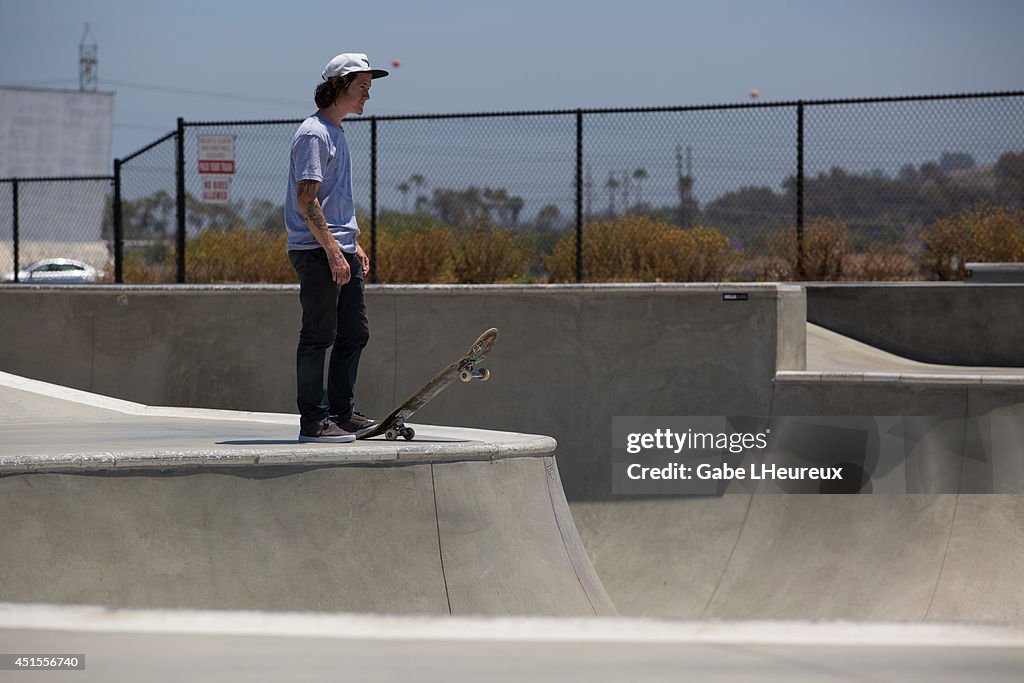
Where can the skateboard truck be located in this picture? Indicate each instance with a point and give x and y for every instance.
(471, 373)
(400, 430)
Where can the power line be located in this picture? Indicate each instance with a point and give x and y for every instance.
(204, 93)
(171, 90)
(297, 104)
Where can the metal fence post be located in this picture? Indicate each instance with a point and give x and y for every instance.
(579, 195)
(16, 227)
(373, 199)
(118, 226)
(800, 262)
(180, 176)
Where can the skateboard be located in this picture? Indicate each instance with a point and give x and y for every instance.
(393, 426)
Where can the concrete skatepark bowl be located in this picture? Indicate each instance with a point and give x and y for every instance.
(130, 518)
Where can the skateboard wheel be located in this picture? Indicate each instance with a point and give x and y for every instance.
(466, 376)
(391, 434)
(485, 375)
(409, 433)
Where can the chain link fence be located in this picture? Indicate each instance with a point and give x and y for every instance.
(56, 229)
(879, 189)
(147, 220)
(913, 188)
(474, 199)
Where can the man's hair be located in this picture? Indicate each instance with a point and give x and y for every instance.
(328, 91)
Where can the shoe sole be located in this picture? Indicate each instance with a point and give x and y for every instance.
(348, 438)
(365, 430)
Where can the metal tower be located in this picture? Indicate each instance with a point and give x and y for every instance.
(88, 76)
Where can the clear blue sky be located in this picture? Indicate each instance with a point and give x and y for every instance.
(265, 57)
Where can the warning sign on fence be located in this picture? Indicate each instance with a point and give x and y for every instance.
(216, 165)
(217, 190)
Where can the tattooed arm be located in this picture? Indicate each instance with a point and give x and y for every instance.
(310, 206)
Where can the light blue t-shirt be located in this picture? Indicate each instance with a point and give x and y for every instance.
(319, 152)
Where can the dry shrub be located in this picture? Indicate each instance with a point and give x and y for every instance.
(490, 255)
(434, 254)
(825, 249)
(153, 266)
(883, 262)
(989, 234)
(641, 249)
(238, 255)
(415, 255)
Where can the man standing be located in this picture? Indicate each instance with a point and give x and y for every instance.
(323, 249)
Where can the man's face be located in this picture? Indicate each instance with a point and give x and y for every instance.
(353, 99)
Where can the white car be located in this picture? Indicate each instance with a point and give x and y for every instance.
(57, 271)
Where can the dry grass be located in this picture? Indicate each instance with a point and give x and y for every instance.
(641, 249)
(435, 254)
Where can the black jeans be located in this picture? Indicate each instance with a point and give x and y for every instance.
(331, 314)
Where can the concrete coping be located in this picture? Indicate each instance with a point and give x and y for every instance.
(434, 444)
(675, 287)
(903, 284)
(1014, 267)
(126, 448)
(905, 378)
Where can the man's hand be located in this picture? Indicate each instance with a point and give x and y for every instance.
(340, 271)
(363, 259)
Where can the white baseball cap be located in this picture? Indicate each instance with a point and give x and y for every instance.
(350, 63)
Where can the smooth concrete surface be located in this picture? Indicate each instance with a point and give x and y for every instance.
(204, 646)
(956, 323)
(759, 556)
(941, 450)
(176, 511)
(568, 359)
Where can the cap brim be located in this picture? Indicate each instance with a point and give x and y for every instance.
(374, 73)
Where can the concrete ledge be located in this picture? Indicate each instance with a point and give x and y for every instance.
(995, 272)
(134, 436)
(958, 380)
(480, 445)
(769, 287)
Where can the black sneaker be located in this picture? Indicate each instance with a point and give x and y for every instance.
(357, 424)
(326, 431)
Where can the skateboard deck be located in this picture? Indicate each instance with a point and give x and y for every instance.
(393, 425)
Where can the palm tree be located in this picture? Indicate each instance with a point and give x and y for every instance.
(612, 185)
(418, 182)
(404, 189)
(640, 175)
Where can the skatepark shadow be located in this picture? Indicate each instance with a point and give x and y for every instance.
(259, 442)
(417, 441)
(292, 442)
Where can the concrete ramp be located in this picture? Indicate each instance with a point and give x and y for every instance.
(744, 556)
(940, 450)
(459, 537)
(180, 510)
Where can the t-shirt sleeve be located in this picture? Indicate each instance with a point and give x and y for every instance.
(309, 157)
